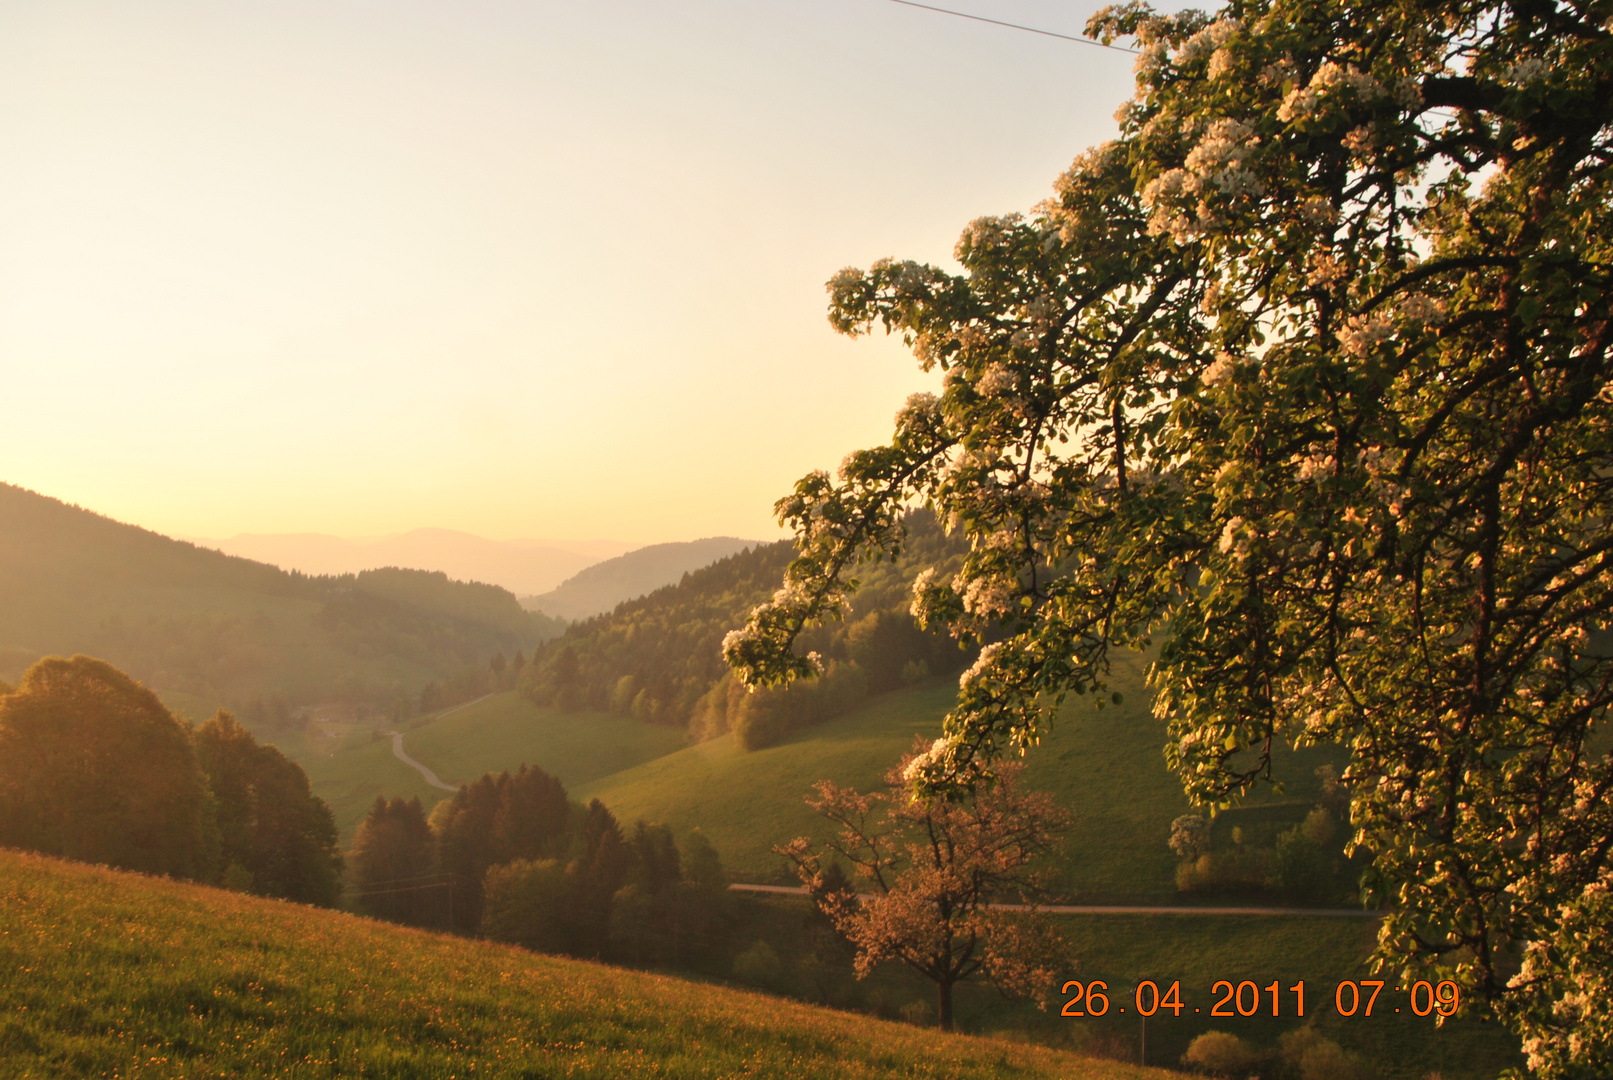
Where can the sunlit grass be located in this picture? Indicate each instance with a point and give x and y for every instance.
(506, 729)
(501, 732)
(112, 974)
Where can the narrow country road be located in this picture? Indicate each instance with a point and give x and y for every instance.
(425, 773)
(1094, 909)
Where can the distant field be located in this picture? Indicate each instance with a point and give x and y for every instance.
(500, 732)
(350, 779)
(506, 729)
(112, 974)
(1106, 766)
(746, 802)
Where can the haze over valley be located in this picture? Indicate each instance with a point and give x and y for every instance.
(851, 540)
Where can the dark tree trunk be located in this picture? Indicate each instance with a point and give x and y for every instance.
(944, 989)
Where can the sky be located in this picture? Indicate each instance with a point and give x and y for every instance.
(519, 269)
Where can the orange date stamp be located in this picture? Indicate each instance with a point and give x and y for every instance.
(1247, 998)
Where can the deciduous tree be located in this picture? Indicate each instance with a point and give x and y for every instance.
(271, 824)
(94, 767)
(1306, 379)
(935, 866)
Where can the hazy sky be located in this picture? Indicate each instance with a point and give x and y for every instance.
(521, 269)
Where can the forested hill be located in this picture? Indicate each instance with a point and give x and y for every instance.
(230, 630)
(659, 657)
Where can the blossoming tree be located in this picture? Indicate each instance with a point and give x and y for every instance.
(935, 867)
(1305, 379)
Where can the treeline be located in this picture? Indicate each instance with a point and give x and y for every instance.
(179, 617)
(471, 682)
(93, 767)
(510, 857)
(659, 658)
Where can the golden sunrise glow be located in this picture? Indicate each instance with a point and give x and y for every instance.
(520, 270)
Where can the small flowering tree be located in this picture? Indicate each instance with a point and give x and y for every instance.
(1306, 378)
(934, 867)
(1190, 836)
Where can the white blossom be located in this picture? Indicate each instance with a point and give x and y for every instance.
(1225, 365)
(1525, 71)
(1423, 309)
(1326, 271)
(1318, 210)
(1208, 40)
(1329, 79)
(921, 410)
(986, 596)
(1233, 538)
(982, 662)
(922, 762)
(1363, 333)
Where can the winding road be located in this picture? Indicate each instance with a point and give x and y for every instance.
(426, 774)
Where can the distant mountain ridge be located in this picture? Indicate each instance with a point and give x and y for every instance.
(600, 587)
(228, 630)
(521, 566)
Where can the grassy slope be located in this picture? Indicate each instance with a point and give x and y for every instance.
(112, 974)
(350, 780)
(1106, 766)
(746, 802)
(505, 730)
(500, 732)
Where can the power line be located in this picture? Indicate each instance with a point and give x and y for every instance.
(1016, 26)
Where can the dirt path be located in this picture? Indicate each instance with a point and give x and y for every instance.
(426, 774)
(1104, 909)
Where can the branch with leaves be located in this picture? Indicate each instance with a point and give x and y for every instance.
(1306, 380)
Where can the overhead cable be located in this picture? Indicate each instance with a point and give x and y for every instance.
(1017, 26)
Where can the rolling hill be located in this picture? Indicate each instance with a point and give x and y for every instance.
(497, 733)
(600, 587)
(108, 973)
(521, 566)
(212, 629)
(1106, 767)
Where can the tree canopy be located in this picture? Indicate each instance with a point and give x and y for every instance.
(935, 867)
(273, 830)
(1305, 380)
(658, 658)
(93, 767)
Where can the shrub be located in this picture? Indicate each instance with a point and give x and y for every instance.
(1308, 1055)
(1190, 836)
(758, 965)
(1221, 1054)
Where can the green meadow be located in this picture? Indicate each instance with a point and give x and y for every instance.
(122, 976)
(1104, 765)
(497, 733)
